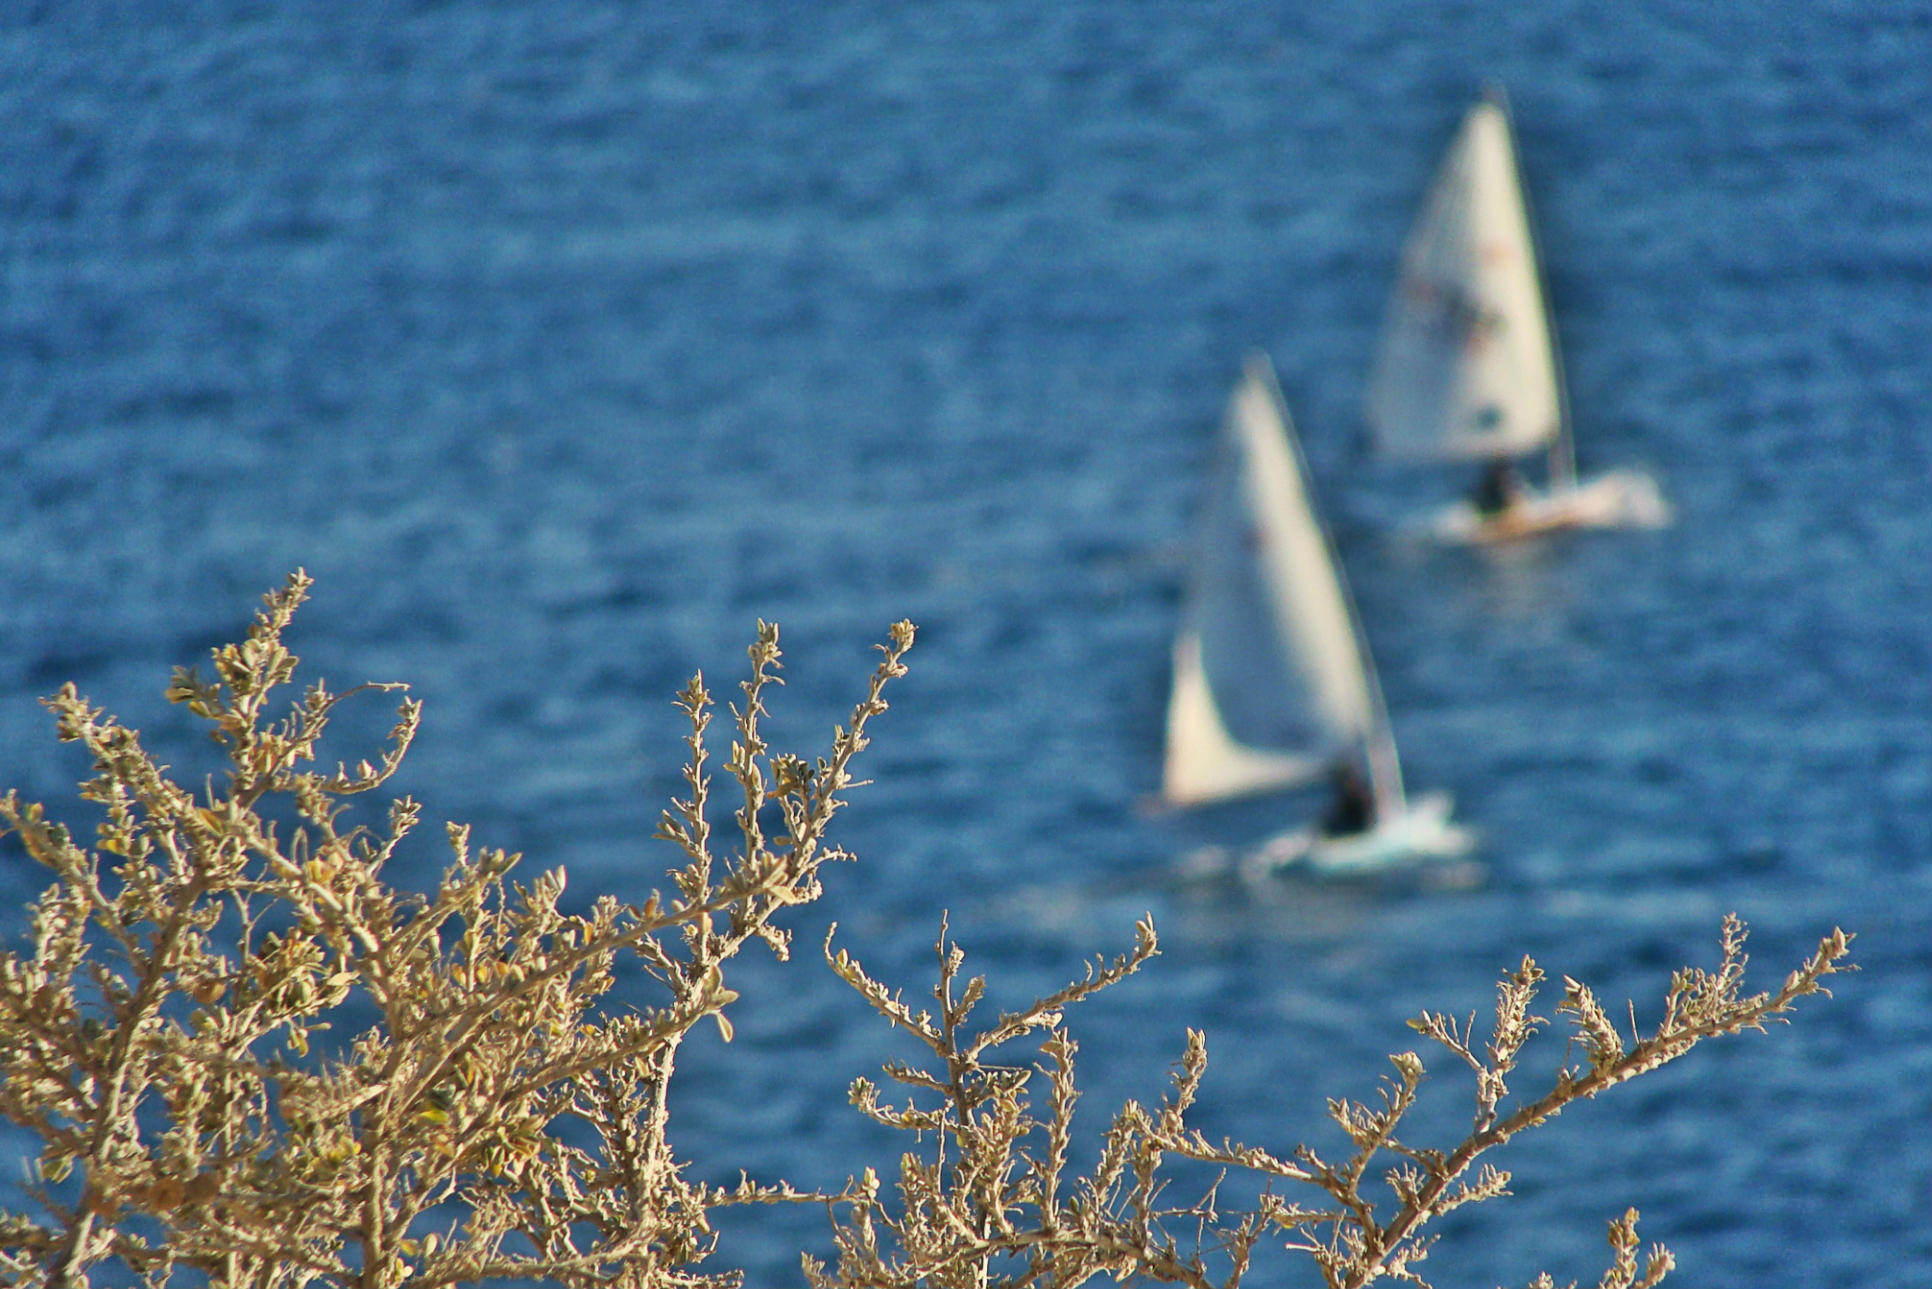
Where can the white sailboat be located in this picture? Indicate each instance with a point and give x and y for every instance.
(1468, 368)
(1273, 685)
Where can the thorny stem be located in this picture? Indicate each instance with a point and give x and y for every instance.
(76, 1255)
(206, 1179)
(1384, 1242)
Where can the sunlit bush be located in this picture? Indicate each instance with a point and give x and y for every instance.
(482, 1111)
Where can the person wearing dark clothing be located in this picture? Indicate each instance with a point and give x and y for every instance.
(1500, 487)
(1352, 808)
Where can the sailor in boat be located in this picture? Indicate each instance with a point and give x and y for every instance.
(1500, 488)
(1351, 809)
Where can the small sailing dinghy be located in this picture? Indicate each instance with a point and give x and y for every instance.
(1468, 369)
(1273, 686)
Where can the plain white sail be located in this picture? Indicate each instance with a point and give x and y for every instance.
(1466, 367)
(1271, 681)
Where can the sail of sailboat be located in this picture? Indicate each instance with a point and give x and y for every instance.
(1271, 682)
(1466, 367)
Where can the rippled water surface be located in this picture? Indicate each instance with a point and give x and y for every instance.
(563, 343)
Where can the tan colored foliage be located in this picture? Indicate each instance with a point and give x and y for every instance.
(251, 1060)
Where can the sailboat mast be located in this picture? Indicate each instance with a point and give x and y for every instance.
(1563, 446)
(1385, 767)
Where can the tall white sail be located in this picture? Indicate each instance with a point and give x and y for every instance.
(1466, 367)
(1271, 682)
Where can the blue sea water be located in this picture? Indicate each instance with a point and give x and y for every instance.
(564, 343)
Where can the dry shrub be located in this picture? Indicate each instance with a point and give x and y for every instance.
(485, 1114)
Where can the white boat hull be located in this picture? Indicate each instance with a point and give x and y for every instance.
(1619, 499)
(1422, 831)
